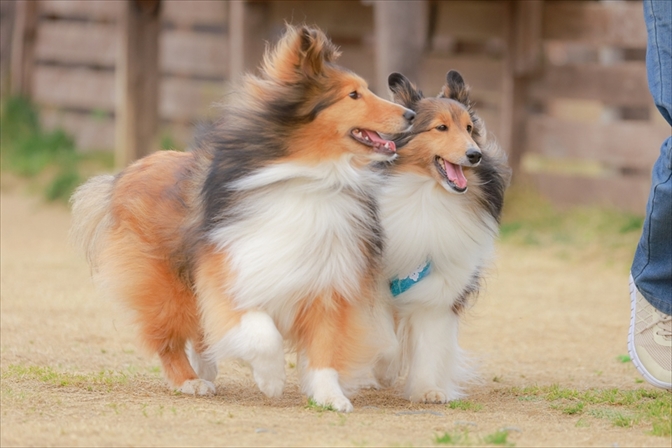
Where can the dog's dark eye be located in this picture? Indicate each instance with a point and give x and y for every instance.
(442, 128)
(469, 128)
(355, 95)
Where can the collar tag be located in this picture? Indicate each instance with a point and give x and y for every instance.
(401, 285)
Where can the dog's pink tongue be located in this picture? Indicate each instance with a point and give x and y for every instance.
(455, 174)
(378, 141)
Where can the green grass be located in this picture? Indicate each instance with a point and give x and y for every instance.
(624, 408)
(460, 438)
(48, 158)
(464, 438)
(464, 405)
(623, 358)
(312, 404)
(105, 379)
(530, 220)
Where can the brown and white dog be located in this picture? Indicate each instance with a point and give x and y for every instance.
(440, 210)
(267, 231)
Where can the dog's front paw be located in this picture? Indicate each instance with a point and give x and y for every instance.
(197, 387)
(430, 396)
(337, 403)
(271, 386)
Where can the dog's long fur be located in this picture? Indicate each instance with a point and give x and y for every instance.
(427, 216)
(267, 231)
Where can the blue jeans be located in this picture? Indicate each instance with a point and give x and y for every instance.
(652, 266)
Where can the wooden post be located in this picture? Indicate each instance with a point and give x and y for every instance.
(137, 80)
(523, 60)
(401, 35)
(23, 47)
(247, 32)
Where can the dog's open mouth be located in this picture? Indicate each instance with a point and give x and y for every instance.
(374, 140)
(452, 173)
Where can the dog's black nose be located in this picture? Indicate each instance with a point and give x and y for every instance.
(409, 115)
(474, 155)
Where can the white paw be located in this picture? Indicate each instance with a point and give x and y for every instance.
(430, 396)
(203, 367)
(197, 387)
(271, 386)
(337, 403)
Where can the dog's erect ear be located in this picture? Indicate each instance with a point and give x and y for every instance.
(316, 49)
(455, 88)
(403, 91)
(300, 53)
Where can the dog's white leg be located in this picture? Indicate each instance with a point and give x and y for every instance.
(257, 341)
(435, 356)
(323, 387)
(205, 367)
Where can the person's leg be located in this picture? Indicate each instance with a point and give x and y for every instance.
(650, 336)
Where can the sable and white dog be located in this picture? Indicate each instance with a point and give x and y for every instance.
(440, 213)
(267, 231)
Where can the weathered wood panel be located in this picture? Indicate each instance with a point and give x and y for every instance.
(480, 72)
(187, 53)
(105, 11)
(346, 21)
(195, 12)
(78, 88)
(622, 192)
(598, 23)
(88, 43)
(471, 20)
(623, 144)
(623, 84)
(187, 100)
(91, 133)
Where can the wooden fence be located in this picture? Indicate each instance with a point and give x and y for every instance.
(590, 131)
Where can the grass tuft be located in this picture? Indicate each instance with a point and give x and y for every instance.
(105, 379)
(464, 405)
(312, 404)
(447, 438)
(624, 408)
(498, 438)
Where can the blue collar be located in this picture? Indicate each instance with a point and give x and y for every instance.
(400, 285)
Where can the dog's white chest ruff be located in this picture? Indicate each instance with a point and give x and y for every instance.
(299, 235)
(423, 222)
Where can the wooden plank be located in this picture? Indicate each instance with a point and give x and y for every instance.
(358, 58)
(627, 193)
(90, 133)
(103, 11)
(480, 72)
(137, 81)
(77, 88)
(184, 100)
(7, 15)
(248, 28)
(400, 32)
(195, 12)
(623, 84)
(522, 60)
(187, 53)
(622, 144)
(347, 21)
(87, 43)
(23, 47)
(598, 23)
(470, 20)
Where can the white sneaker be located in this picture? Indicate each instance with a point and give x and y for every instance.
(650, 340)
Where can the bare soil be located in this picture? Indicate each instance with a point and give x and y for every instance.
(547, 316)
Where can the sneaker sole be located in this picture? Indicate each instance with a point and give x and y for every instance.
(631, 341)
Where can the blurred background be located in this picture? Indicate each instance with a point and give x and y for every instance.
(560, 84)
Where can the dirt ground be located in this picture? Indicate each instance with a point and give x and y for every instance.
(545, 318)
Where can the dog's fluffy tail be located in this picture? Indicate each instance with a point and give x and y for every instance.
(91, 216)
